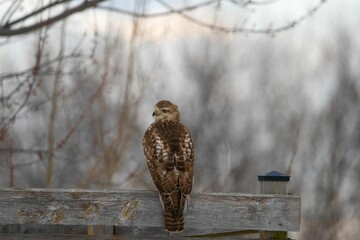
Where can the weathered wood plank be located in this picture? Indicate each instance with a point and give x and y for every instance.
(139, 212)
(77, 237)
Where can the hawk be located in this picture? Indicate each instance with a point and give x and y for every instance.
(170, 155)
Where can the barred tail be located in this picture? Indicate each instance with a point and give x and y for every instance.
(173, 224)
(174, 204)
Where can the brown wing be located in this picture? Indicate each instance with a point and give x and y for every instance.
(170, 156)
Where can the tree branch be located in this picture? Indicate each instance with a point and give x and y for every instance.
(160, 14)
(6, 31)
(32, 14)
(224, 29)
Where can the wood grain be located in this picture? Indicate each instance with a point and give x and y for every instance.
(139, 213)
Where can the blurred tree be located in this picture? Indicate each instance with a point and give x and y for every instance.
(337, 179)
(207, 67)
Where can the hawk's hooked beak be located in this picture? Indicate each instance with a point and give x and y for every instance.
(156, 112)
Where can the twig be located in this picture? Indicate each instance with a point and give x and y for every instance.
(11, 166)
(233, 30)
(160, 14)
(5, 31)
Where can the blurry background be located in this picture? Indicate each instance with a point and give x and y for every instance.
(262, 85)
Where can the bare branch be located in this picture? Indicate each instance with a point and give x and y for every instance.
(42, 65)
(54, 107)
(160, 14)
(39, 152)
(245, 3)
(25, 151)
(5, 122)
(32, 14)
(81, 117)
(10, 11)
(34, 76)
(184, 9)
(233, 30)
(11, 166)
(6, 31)
(12, 93)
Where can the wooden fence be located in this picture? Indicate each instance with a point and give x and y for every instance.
(138, 214)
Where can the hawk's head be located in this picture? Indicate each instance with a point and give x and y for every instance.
(166, 110)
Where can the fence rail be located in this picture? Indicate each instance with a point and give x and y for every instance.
(139, 213)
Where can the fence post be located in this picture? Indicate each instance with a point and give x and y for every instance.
(273, 183)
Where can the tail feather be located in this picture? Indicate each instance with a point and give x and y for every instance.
(174, 204)
(173, 224)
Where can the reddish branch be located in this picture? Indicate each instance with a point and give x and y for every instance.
(80, 118)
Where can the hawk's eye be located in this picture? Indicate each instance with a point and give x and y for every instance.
(164, 110)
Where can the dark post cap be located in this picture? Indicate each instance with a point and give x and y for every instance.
(274, 176)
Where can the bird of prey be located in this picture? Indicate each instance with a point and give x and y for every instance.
(170, 155)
